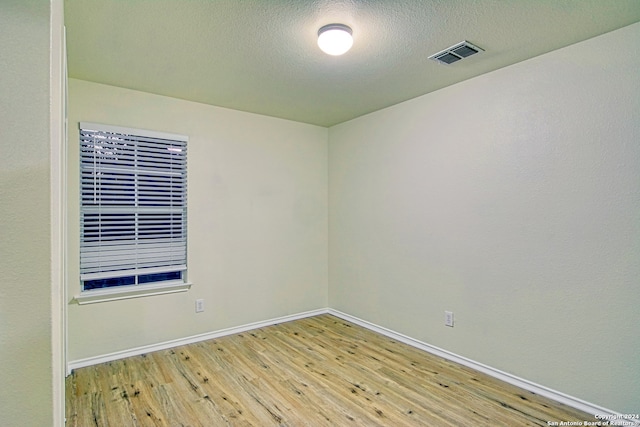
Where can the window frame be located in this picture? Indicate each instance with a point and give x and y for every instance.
(166, 204)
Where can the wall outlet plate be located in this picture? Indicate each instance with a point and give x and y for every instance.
(199, 305)
(448, 318)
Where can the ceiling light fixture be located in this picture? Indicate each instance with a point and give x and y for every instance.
(335, 39)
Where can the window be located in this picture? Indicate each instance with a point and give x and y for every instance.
(133, 208)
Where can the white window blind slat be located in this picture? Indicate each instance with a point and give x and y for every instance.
(133, 205)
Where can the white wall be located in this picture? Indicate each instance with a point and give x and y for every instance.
(258, 218)
(28, 41)
(512, 199)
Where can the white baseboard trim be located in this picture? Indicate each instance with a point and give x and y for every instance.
(560, 397)
(95, 360)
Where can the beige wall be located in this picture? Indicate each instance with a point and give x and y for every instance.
(257, 211)
(28, 395)
(512, 199)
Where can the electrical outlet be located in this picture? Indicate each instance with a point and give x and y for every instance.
(448, 318)
(199, 305)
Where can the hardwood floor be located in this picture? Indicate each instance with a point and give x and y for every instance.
(318, 371)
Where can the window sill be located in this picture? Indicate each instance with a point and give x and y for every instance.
(114, 294)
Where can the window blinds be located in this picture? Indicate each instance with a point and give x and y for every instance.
(133, 205)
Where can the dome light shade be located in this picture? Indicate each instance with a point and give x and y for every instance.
(335, 39)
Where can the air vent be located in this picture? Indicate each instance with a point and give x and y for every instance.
(456, 52)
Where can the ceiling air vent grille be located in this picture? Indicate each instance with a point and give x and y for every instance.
(456, 52)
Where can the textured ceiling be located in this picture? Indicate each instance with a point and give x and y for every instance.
(261, 56)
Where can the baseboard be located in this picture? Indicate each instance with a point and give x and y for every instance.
(90, 361)
(560, 397)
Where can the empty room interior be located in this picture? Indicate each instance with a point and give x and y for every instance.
(447, 212)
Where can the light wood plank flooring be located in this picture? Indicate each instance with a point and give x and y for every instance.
(319, 371)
